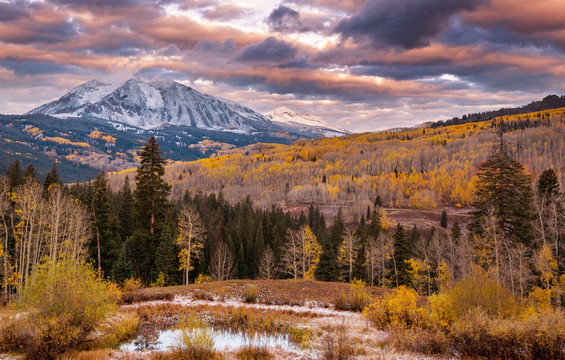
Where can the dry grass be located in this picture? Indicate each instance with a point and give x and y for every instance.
(146, 294)
(273, 292)
(251, 352)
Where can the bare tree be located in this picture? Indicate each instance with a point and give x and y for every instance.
(190, 239)
(268, 267)
(379, 251)
(348, 253)
(221, 262)
(4, 231)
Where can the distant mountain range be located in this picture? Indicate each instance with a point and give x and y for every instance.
(149, 105)
(101, 126)
(288, 118)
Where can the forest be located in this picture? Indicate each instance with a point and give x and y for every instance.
(138, 231)
(423, 168)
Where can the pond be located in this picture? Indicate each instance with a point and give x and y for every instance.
(223, 340)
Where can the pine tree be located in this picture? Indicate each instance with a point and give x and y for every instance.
(30, 174)
(151, 210)
(548, 184)
(165, 260)
(52, 178)
(125, 211)
(15, 176)
(399, 269)
(443, 220)
(105, 245)
(328, 267)
(503, 189)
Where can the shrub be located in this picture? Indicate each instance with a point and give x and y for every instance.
(131, 284)
(251, 352)
(335, 344)
(201, 279)
(250, 294)
(482, 292)
(67, 301)
(397, 309)
(70, 289)
(196, 339)
(355, 300)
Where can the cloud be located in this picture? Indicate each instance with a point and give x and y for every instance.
(30, 68)
(269, 50)
(403, 23)
(284, 19)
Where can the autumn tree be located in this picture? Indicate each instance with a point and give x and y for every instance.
(301, 253)
(348, 253)
(190, 239)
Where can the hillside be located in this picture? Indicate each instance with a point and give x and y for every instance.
(84, 147)
(422, 168)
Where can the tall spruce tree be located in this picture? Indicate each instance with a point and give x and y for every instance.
(151, 210)
(503, 188)
(105, 245)
(328, 269)
(52, 178)
(125, 210)
(398, 267)
(15, 176)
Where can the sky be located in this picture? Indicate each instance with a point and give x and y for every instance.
(362, 65)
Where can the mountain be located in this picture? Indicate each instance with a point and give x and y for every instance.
(149, 105)
(290, 119)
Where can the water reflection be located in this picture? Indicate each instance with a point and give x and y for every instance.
(223, 339)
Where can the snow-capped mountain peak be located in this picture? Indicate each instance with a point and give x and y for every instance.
(154, 104)
(286, 116)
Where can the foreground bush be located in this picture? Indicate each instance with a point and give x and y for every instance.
(477, 318)
(354, 300)
(398, 309)
(66, 302)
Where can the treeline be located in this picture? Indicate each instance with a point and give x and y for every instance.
(548, 103)
(424, 168)
(516, 235)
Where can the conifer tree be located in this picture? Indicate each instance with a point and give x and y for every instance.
(125, 211)
(105, 245)
(328, 268)
(443, 220)
(30, 174)
(151, 210)
(399, 269)
(503, 188)
(52, 178)
(15, 176)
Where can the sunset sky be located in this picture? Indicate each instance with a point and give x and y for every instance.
(360, 65)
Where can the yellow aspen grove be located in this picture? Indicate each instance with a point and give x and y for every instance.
(190, 239)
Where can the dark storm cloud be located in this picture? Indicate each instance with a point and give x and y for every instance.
(218, 47)
(284, 19)
(404, 23)
(269, 50)
(31, 68)
(13, 10)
